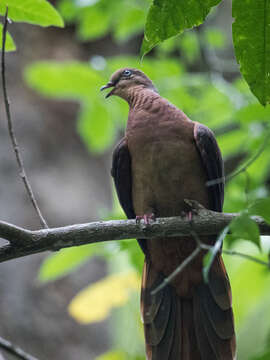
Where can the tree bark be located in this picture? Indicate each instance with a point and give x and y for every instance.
(24, 242)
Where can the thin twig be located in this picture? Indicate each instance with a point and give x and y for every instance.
(15, 350)
(177, 271)
(251, 160)
(11, 130)
(242, 168)
(201, 246)
(246, 256)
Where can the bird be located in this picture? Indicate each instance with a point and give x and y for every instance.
(163, 159)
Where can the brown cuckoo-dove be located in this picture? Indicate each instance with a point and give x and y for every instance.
(163, 159)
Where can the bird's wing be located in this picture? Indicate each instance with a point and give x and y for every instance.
(212, 161)
(212, 302)
(121, 173)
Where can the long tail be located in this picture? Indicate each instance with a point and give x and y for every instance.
(197, 328)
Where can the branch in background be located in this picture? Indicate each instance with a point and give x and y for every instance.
(14, 350)
(225, 129)
(11, 130)
(245, 166)
(24, 242)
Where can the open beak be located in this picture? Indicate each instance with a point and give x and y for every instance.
(107, 86)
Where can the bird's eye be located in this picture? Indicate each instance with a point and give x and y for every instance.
(127, 73)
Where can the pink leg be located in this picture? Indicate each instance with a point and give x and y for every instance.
(146, 218)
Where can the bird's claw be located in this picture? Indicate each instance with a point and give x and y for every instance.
(189, 214)
(146, 218)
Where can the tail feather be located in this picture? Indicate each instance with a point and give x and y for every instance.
(204, 345)
(221, 347)
(165, 347)
(219, 284)
(196, 328)
(155, 330)
(190, 350)
(159, 314)
(176, 346)
(150, 306)
(221, 320)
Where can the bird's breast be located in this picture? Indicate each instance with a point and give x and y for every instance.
(166, 167)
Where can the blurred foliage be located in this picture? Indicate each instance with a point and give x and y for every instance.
(66, 260)
(91, 304)
(168, 18)
(113, 355)
(190, 71)
(95, 18)
(264, 356)
(38, 12)
(119, 355)
(215, 38)
(250, 288)
(97, 124)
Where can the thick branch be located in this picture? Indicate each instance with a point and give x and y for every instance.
(24, 242)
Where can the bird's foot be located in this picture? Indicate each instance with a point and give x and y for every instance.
(146, 218)
(188, 215)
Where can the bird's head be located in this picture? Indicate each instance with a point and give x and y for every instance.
(125, 80)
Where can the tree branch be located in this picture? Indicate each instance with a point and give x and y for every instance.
(24, 242)
(11, 129)
(15, 350)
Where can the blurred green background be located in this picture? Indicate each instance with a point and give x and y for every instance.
(198, 73)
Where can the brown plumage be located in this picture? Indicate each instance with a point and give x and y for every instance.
(163, 159)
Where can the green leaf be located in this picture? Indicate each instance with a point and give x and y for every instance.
(251, 37)
(261, 207)
(70, 80)
(167, 18)
(38, 12)
(243, 227)
(10, 46)
(65, 261)
(210, 256)
(96, 126)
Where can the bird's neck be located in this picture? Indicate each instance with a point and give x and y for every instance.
(139, 96)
